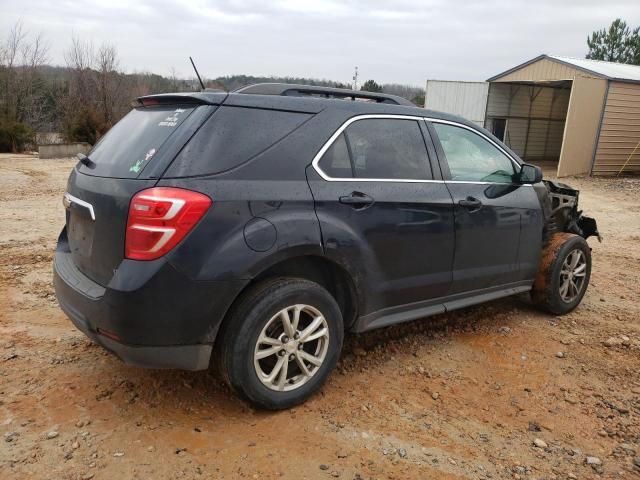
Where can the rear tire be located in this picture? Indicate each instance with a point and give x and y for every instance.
(280, 342)
(563, 275)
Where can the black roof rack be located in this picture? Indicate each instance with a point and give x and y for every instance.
(295, 90)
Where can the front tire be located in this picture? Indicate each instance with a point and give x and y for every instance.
(564, 273)
(280, 342)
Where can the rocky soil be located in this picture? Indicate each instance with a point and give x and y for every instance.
(499, 391)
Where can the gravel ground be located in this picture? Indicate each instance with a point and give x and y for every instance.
(495, 391)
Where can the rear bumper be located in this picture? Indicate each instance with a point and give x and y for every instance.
(164, 321)
(185, 357)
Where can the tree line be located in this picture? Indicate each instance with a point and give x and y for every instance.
(80, 100)
(84, 98)
(90, 93)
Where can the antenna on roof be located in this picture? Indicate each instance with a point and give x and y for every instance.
(197, 74)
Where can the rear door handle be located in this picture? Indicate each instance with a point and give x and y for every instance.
(357, 200)
(470, 203)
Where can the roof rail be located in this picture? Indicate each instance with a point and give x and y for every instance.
(296, 90)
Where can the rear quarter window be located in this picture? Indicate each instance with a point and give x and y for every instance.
(231, 137)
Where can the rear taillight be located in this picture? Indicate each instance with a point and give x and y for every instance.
(159, 218)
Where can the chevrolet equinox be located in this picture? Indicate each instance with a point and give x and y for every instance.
(251, 229)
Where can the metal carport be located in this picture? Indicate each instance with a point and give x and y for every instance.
(575, 115)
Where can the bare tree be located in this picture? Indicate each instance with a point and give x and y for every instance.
(35, 54)
(9, 60)
(98, 95)
(13, 45)
(22, 87)
(173, 76)
(31, 89)
(109, 82)
(79, 58)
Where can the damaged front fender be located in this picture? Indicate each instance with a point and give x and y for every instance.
(560, 207)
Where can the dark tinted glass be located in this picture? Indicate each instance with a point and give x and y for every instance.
(335, 162)
(388, 149)
(131, 143)
(232, 136)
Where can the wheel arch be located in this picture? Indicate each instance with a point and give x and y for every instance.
(316, 268)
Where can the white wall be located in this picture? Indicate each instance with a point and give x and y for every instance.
(465, 99)
(63, 150)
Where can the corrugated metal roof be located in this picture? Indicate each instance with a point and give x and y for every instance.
(611, 70)
(608, 70)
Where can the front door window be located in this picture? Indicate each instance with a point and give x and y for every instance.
(471, 157)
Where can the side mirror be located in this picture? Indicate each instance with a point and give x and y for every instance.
(530, 173)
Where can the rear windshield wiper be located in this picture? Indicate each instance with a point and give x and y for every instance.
(85, 160)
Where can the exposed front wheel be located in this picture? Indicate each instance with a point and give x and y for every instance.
(280, 342)
(564, 273)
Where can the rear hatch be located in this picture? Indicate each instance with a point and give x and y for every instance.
(129, 158)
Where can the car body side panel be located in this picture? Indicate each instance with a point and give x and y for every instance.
(263, 210)
(400, 249)
(531, 234)
(501, 241)
(244, 230)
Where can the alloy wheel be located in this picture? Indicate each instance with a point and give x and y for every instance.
(291, 347)
(572, 275)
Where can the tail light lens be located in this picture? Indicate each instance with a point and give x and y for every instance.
(159, 218)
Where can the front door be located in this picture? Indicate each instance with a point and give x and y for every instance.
(381, 212)
(498, 224)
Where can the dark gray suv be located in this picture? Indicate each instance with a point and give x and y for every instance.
(254, 228)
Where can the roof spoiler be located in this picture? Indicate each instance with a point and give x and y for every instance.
(207, 97)
(296, 90)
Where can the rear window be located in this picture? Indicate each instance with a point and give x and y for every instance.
(132, 143)
(231, 137)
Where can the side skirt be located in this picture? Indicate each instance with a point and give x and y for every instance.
(427, 308)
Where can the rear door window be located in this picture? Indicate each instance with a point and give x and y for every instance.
(231, 137)
(385, 149)
(134, 141)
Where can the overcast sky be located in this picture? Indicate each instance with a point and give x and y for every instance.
(405, 41)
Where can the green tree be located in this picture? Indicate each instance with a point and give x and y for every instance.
(418, 100)
(635, 47)
(371, 86)
(618, 43)
(15, 136)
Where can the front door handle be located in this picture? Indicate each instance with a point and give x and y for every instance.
(470, 203)
(357, 200)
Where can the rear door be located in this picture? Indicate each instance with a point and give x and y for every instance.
(383, 211)
(498, 227)
(129, 158)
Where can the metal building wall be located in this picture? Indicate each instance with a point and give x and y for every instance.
(583, 121)
(619, 131)
(466, 99)
(535, 117)
(541, 70)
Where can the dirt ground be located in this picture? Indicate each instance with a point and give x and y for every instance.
(460, 396)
